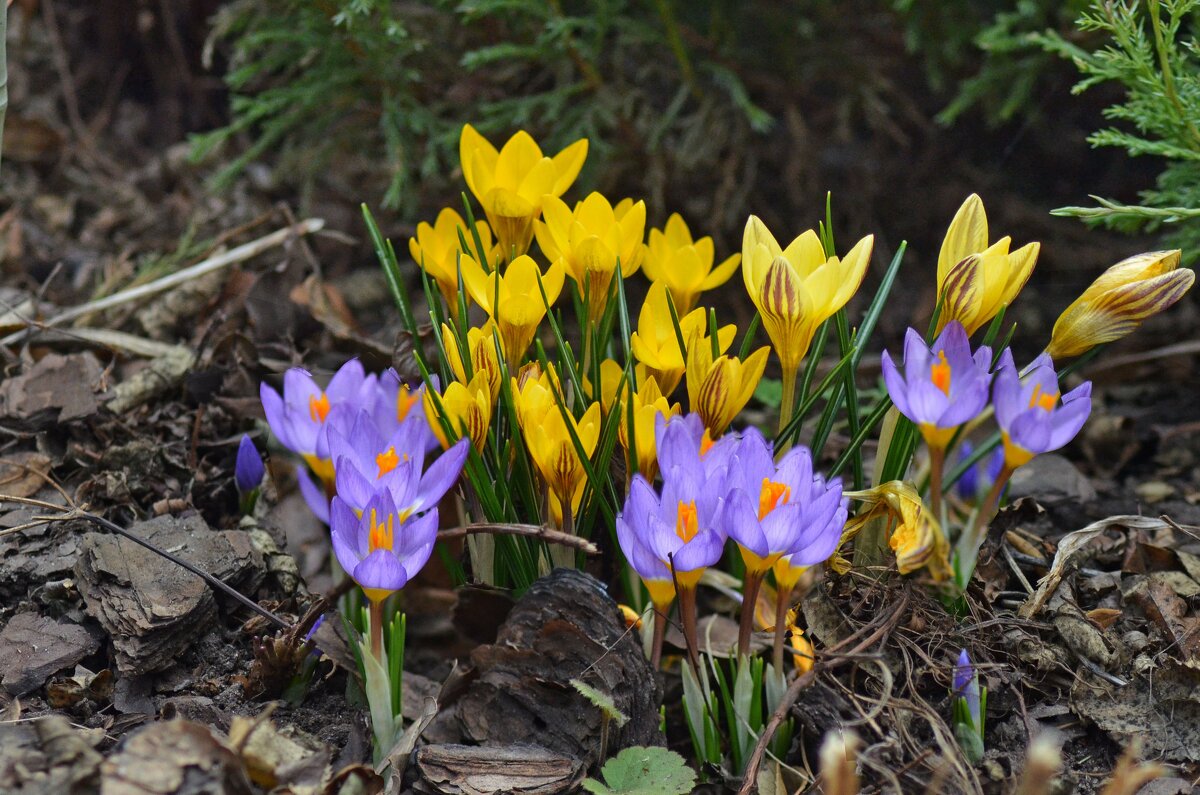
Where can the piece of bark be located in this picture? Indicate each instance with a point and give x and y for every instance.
(152, 608)
(33, 648)
(47, 755)
(178, 757)
(55, 389)
(515, 769)
(565, 627)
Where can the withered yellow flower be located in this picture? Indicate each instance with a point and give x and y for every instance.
(802, 650)
(511, 183)
(648, 404)
(590, 241)
(1119, 300)
(915, 537)
(520, 308)
(797, 289)
(656, 345)
(974, 279)
(437, 249)
(468, 407)
(720, 388)
(685, 265)
(481, 353)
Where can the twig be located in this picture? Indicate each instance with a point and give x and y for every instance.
(801, 682)
(239, 254)
(69, 513)
(510, 529)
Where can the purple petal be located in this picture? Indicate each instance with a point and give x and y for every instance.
(348, 535)
(965, 405)
(1032, 430)
(783, 527)
(248, 471)
(702, 551)
(414, 541)
(277, 417)
(380, 571)
(442, 474)
(796, 472)
(916, 352)
(1007, 395)
(1068, 420)
(352, 486)
(953, 342)
(896, 386)
(346, 383)
(313, 494)
(927, 402)
(739, 520)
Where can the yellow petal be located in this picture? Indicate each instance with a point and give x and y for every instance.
(968, 234)
(722, 273)
(567, 164)
(805, 253)
(754, 261)
(475, 153)
(517, 158)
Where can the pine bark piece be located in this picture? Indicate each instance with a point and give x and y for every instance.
(177, 757)
(565, 627)
(152, 608)
(516, 769)
(56, 389)
(33, 648)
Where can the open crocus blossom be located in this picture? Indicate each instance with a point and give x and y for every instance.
(381, 550)
(511, 183)
(720, 388)
(437, 250)
(673, 539)
(656, 344)
(683, 265)
(975, 280)
(591, 241)
(1033, 416)
(514, 300)
(1119, 300)
(798, 288)
(298, 418)
(368, 463)
(943, 386)
(772, 510)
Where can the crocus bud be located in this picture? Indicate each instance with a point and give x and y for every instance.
(969, 702)
(248, 472)
(1119, 300)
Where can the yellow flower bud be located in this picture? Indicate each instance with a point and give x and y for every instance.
(1119, 300)
(974, 279)
(468, 408)
(720, 388)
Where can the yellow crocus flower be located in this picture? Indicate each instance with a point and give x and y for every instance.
(437, 248)
(481, 347)
(684, 265)
(797, 289)
(520, 308)
(648, 403)
(916, 537)
(975, 279)
(1119, 300)
(590, 241)
(511, 183)
(549, 442)
(720, 388)
(656, 345)
(468, 407)
(611, 375)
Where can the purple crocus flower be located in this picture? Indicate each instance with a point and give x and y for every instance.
(780, 509)
(966, 687)
(979, 477)
(689, 446)
(943, 386)
(248, 471)
(1031, 416)
(299, 417)
(381, 550)
(367, 463)
(677, 529)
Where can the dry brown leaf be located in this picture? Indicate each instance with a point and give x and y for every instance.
(1103, 617)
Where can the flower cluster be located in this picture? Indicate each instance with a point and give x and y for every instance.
(361, 438)
(781, 516)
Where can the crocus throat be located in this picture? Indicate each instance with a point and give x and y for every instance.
(405, 399)
(387, 461)
(706, 443)
(318, 407)
(687, 525)
(771, 497)
(1043, 400)
(939, 373)
(380, 536)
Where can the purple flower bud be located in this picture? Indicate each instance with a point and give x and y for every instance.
(248, 471)
(980, 476)
(966, 687)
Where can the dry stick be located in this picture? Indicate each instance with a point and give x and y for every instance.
(535, 531)
(801, 682)
(67, 514)
(239, 254)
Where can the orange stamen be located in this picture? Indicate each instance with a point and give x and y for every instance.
(1043, 400)
(706, 443)
(771, 497)
(380, 536)
(405, 400)
(687, 525)
(387, 461)
(939, 373)
(318, 408)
